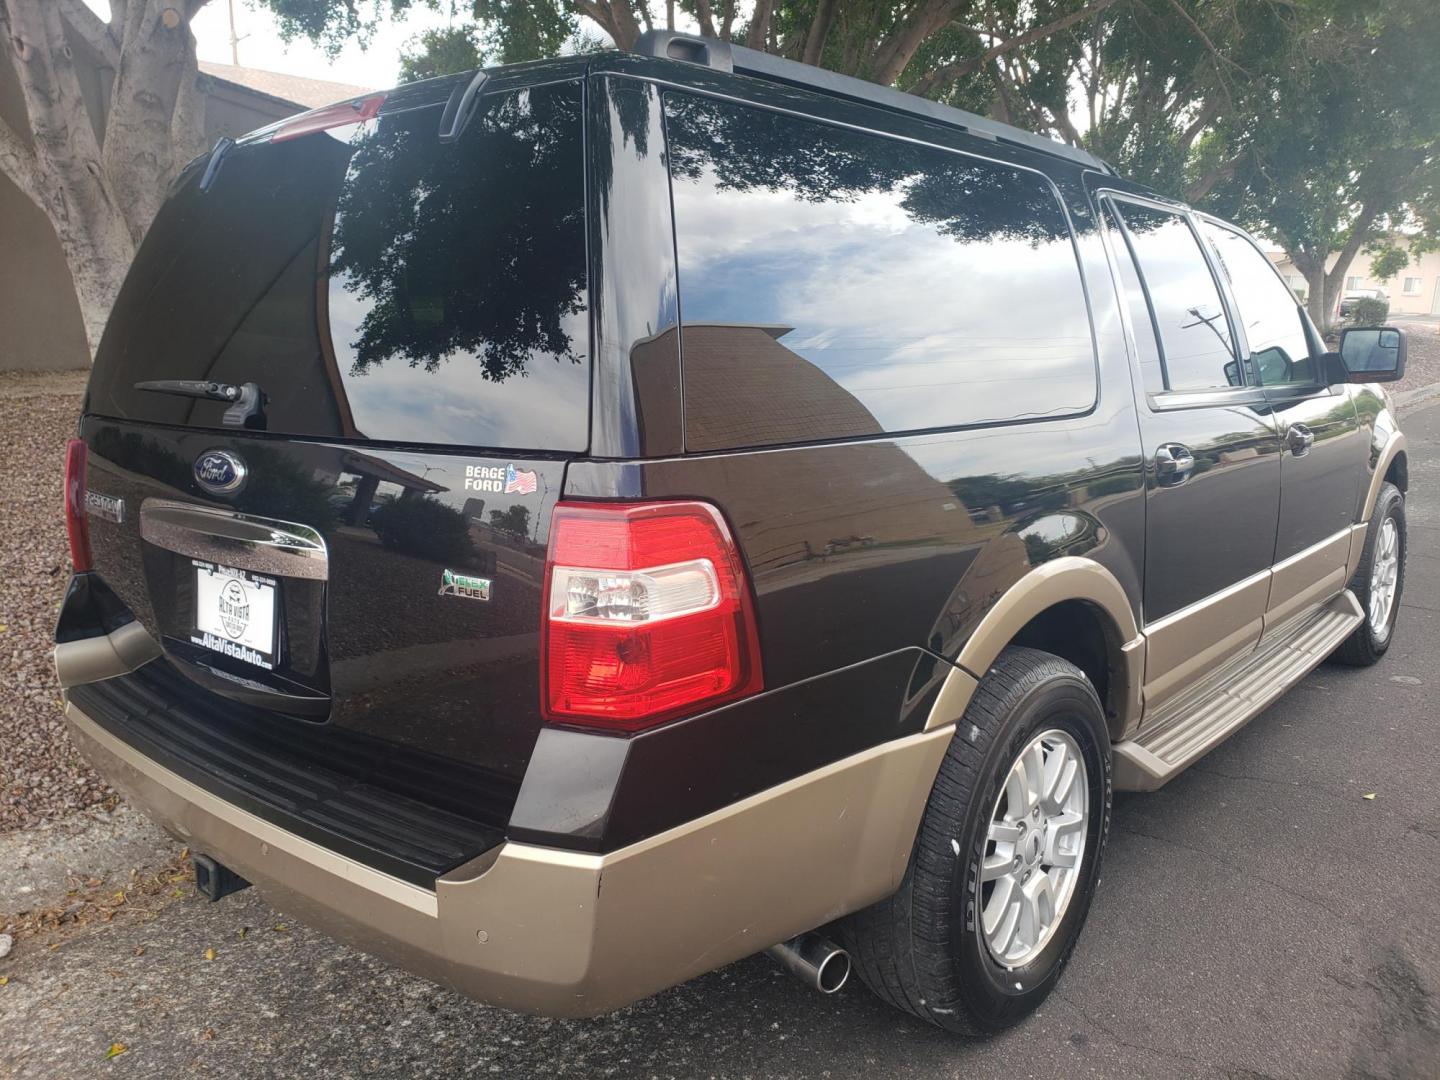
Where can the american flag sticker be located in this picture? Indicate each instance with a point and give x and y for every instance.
(519, 481)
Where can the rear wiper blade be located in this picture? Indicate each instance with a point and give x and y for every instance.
(247, 401)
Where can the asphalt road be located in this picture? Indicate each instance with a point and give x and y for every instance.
(1257, 918)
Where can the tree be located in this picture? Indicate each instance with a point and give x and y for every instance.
(1342, 146)
(441, 52)
(931, 46)
(1387, 259)
(101, 193)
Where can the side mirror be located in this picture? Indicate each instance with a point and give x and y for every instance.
(1373, 353)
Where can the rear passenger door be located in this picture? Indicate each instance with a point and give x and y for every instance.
(1323, 452)
(1213, 477)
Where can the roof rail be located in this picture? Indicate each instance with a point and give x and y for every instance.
(723, 56)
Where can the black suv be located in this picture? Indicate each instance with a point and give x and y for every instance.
(569, 527)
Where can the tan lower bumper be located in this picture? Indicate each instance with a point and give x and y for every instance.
(570, 934)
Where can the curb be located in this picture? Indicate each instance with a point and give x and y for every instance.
(1413, 399)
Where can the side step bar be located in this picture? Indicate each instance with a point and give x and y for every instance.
(1200, 719)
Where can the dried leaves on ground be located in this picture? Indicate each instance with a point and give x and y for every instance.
(42, 777)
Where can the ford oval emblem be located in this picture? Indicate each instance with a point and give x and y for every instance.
(220, 472)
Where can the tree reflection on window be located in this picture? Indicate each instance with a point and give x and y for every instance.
(470, 249)
(755, 150)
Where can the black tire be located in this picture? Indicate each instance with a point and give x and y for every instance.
(922, 949)
(1369, 642)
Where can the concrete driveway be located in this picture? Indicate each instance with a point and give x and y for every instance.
(1431, 322)
(1259, 917)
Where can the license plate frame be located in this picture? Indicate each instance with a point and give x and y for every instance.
(236, 613)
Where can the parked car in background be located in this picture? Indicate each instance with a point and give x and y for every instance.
(975, 482)
(1351, 300)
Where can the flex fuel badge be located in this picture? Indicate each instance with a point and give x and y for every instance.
(471, 588)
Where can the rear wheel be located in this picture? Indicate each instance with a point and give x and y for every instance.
(1378, 581)
(1007, 856)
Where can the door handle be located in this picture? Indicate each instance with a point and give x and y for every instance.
(1173, 464)
(1299, 438)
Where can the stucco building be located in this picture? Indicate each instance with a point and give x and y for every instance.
(1415, 290)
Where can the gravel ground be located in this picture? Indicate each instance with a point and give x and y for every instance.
(1422, 361)
(41, 775)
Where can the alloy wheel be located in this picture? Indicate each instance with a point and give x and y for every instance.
(1384, 578)
(1034, 847)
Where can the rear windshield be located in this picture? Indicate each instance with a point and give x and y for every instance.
(376, 283)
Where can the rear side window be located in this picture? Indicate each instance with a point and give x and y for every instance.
(377, 285)
(836, 284)
(1279, 349)
(1184, 302)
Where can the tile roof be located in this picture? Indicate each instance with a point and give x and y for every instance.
(307, 93)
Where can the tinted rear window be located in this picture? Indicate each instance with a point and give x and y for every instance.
(377, 283)
(836, 284)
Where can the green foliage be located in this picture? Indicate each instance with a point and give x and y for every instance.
(1387, 259)
(516, 30)
(447, 51)
(331, 23)
(1368, 311)
(425, 528)
(513, 521)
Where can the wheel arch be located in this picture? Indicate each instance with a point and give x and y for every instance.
(1072, 607)
(1398, 471)
(1392, 463)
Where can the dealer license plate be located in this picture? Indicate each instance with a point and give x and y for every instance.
(235, 613)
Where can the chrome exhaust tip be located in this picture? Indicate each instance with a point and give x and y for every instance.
(815, 960)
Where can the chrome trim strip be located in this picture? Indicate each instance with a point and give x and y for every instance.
(1314, 549)
(1185, 644)
(261, 545)
(1207, 601)
(1308, 578)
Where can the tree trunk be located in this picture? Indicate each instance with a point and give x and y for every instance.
(759, 33)
(1320, 306)
(101, 198)
(75, 192)
(896, 51)
(819, 31)
(706, 16)
(968, 66)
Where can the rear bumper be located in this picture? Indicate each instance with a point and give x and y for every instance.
(565, 933)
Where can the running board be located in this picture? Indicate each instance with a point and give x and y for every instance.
(1197, 720)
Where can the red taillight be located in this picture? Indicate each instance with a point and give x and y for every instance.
(647, 615)
(77, 521)
(331, 116)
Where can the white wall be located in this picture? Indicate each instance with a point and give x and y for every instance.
(1423, 274)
